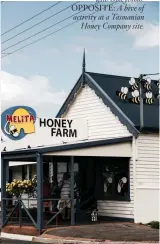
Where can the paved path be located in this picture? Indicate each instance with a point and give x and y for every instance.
(108, 231)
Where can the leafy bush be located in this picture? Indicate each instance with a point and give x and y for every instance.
(154, 224)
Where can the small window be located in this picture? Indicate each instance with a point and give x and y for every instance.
(62, 167)
(116, 179)
(26, 172)
(76, 167)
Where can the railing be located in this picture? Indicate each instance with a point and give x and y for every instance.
(19, 205)
(58, 212)
(21, 208)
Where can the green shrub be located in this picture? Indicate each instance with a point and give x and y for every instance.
(154, 224)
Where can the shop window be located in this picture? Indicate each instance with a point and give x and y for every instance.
(116, 179)
(62, 167)
(76, 168)
(65, 167)
(26, 172)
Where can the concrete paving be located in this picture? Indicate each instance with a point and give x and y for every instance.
(106, 231)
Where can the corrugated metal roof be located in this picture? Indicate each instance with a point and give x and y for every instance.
(111, 83)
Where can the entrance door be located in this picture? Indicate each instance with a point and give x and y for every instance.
(87, 171)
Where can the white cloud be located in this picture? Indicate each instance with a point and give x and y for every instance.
(146, 38)
(119, 68)
(36, 91)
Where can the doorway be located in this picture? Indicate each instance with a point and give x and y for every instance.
(86, 201)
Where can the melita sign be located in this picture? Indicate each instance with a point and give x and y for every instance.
(19, 121)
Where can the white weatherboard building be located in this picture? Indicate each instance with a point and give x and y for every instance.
(143, 152)
(127, 158)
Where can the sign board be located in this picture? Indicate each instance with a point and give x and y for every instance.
(21, 128)
(64, 128)
(20, 121)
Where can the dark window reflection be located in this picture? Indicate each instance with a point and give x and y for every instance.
(116, 178)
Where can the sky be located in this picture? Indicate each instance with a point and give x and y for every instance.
(41, 75)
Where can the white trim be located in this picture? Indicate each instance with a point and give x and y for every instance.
(12, 164)
(16, 237)
(122, 149)
(134, 172)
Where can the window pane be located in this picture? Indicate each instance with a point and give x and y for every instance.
(76, 167)
(116, 178)
(62, 167)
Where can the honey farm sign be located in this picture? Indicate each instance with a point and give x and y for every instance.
(65, 128)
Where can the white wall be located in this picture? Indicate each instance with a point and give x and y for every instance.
(102, 123)
(147, 203)
(147, 178)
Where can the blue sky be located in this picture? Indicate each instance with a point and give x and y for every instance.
(49, 68)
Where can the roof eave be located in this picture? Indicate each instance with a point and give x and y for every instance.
(32, 152)
(70, 97)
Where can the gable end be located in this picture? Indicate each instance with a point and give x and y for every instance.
(70, 97)
(105, 98)
(114, 108)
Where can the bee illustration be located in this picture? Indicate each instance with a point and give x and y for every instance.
(121, 184)
(158, 95)
(13, 131)
(135, 97)
(107, 183)
(133, 83)
(123, 93)
(147, 83)
(149, 99)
